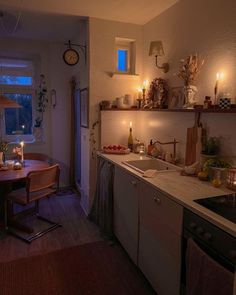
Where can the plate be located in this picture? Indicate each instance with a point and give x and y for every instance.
(115, 149)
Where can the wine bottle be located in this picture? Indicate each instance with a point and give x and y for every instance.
(130, 140)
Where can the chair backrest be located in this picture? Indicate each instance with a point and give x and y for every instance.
(37, 156)
(41, 179)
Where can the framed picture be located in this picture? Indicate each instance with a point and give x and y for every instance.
(84, 108)
(177, 98)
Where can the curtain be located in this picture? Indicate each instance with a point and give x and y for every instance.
(102, 208)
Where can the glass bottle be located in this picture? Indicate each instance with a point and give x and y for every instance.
(130, 140)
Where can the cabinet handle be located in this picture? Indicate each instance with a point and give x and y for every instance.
(157, 200)
(133, 182)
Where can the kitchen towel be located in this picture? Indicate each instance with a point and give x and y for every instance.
(204, 276)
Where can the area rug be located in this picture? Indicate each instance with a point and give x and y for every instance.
(91, 269)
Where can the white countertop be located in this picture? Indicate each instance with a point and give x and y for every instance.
(181, 189)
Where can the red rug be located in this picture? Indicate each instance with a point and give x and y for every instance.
(94, 268)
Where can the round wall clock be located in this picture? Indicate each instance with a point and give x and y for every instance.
(71, 57)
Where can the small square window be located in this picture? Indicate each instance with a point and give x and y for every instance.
(122, 60)
(125, 56)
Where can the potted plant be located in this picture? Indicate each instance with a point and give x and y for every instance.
(216, 169)
(211, 146)
(3, 150)
(41, 107)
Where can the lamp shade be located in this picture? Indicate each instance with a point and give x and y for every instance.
(6, 103)
(156, 48)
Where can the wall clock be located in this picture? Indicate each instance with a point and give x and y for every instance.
(71, 57)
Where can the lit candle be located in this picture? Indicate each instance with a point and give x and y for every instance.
(219, 76)
(145, 84)
(217, 82)
(130, 124)
(139, 93)
(144, 87)
(22, 151)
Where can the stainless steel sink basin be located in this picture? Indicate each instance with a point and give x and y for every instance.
(155, 164)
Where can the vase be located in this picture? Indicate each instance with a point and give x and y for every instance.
(190, 96)
(38, 134)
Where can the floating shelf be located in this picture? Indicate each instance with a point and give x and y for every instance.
(233, 110)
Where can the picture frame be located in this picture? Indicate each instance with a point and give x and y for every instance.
(177, 99)
(84, 108)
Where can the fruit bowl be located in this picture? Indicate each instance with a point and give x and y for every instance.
(115, 149)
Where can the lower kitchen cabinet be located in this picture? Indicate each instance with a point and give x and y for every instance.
(160, 231)
(126, 194)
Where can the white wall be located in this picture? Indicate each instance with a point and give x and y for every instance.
(208, 28)
(189, 26)
(102, 34)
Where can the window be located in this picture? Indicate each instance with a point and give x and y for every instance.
(125, 56)
(16, 83)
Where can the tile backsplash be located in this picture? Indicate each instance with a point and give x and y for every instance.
(165, 126)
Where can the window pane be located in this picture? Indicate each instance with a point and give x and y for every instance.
(19, 121)
(16, 80)
(122, 60)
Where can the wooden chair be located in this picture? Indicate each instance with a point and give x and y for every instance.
(39, 184)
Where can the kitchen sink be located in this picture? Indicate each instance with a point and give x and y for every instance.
(155, 164)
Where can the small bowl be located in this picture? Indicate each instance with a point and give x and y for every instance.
(190, 170)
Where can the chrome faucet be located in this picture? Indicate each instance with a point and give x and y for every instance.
(174, 142)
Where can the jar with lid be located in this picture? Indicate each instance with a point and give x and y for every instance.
(207, 102)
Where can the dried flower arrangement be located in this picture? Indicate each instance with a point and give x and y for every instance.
(42, 101)
(190, 68)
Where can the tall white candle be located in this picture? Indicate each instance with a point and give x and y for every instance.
(22, 151)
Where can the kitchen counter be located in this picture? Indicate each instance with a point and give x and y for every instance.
(181, 189)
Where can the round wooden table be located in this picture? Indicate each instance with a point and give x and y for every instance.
(7, 177)
(10, 176)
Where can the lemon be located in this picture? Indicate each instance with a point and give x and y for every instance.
(216, 182)
(203, 175)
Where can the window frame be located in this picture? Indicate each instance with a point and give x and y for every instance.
(130, 46)
(15, 89)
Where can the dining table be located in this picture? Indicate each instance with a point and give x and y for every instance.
(11, 176)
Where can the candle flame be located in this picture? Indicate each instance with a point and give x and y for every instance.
(130, 124)
(22, 143)
(145, 84)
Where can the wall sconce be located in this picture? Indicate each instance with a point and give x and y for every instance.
(156, 48)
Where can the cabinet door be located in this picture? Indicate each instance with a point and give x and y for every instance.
(126, 190)
(160, 240)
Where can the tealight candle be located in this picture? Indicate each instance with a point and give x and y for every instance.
(231, 178)
(17, 166)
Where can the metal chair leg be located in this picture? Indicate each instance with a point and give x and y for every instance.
(5, 215)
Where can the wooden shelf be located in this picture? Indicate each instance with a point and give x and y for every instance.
(176, 110)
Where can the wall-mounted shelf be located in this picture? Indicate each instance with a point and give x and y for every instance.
(115, 75)
(233, 110)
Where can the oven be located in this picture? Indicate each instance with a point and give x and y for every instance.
(216, 243)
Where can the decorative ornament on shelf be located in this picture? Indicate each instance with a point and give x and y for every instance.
(158, 94)
(188, 72)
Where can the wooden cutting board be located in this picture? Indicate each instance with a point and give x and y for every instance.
(193, 144)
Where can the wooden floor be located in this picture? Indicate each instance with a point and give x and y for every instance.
(76, 229)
